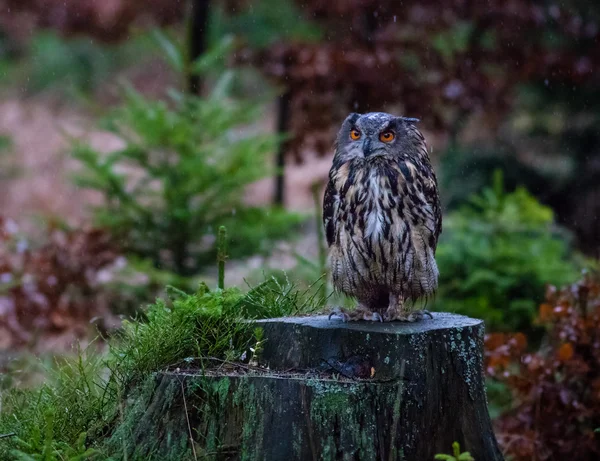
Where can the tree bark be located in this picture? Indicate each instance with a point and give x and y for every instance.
(333, 391)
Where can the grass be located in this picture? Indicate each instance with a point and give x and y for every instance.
(48, 423)
(80, 405)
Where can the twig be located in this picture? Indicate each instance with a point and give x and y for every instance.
(236, 364)
(187, 418)
(5, 436)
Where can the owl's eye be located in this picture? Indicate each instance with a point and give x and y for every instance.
(387, 136)
(354, 135)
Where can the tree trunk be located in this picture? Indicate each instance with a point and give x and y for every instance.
(283, 125)
(333, 391)
(197, 39)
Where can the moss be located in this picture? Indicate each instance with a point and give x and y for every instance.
(140, 416)
(340, 405)
(253, 405)
(468, 353)
(297, 441)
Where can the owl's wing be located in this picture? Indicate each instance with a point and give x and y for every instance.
(430, 190)
(429, 187)
(329, 206)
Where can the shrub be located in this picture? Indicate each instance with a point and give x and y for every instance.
(181, 174)
(556, 391)
(497, 253)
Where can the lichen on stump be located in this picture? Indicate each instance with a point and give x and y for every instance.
(332, 391)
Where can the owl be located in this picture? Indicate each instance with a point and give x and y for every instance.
(382, 217)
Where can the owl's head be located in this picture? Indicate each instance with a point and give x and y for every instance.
(378, 134)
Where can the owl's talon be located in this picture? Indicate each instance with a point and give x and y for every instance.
(416, 316)
(338, 311)
(404, 316)
(360, 313)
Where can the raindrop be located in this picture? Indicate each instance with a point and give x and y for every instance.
(394, 18)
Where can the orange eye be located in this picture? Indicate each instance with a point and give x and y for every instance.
(354, 135)
(386, 136)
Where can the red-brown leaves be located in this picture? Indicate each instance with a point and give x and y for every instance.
(52, 289)
(501, 350)
(557, 389)
(565, 352)
(423, 59)
(107, 20)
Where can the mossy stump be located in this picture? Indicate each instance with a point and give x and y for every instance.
(332, 391)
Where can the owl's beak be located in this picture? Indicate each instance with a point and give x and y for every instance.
(367, 150)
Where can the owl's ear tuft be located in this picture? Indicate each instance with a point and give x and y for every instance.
(410, 120)
(352, 118)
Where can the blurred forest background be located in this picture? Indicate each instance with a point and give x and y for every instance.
(131, 130)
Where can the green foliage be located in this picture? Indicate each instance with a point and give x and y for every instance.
(181, 174)
(264, 23)
(49, 423)
(186, 330)
(7, 169)
(476, 165)
(453, 41)
(201, 326)
(45, 448)
(497, 253)
(189, 327)
(499, 397)
(456, 454)
(212, 62)
(278, 297)
(252, 230)
(76, 66)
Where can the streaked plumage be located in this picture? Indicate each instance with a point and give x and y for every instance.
(382, 216)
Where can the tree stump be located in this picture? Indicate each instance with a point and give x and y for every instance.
(332, 391)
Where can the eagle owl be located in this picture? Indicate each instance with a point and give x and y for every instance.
(382, 217)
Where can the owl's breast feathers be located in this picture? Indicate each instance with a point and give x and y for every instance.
(382, 220)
